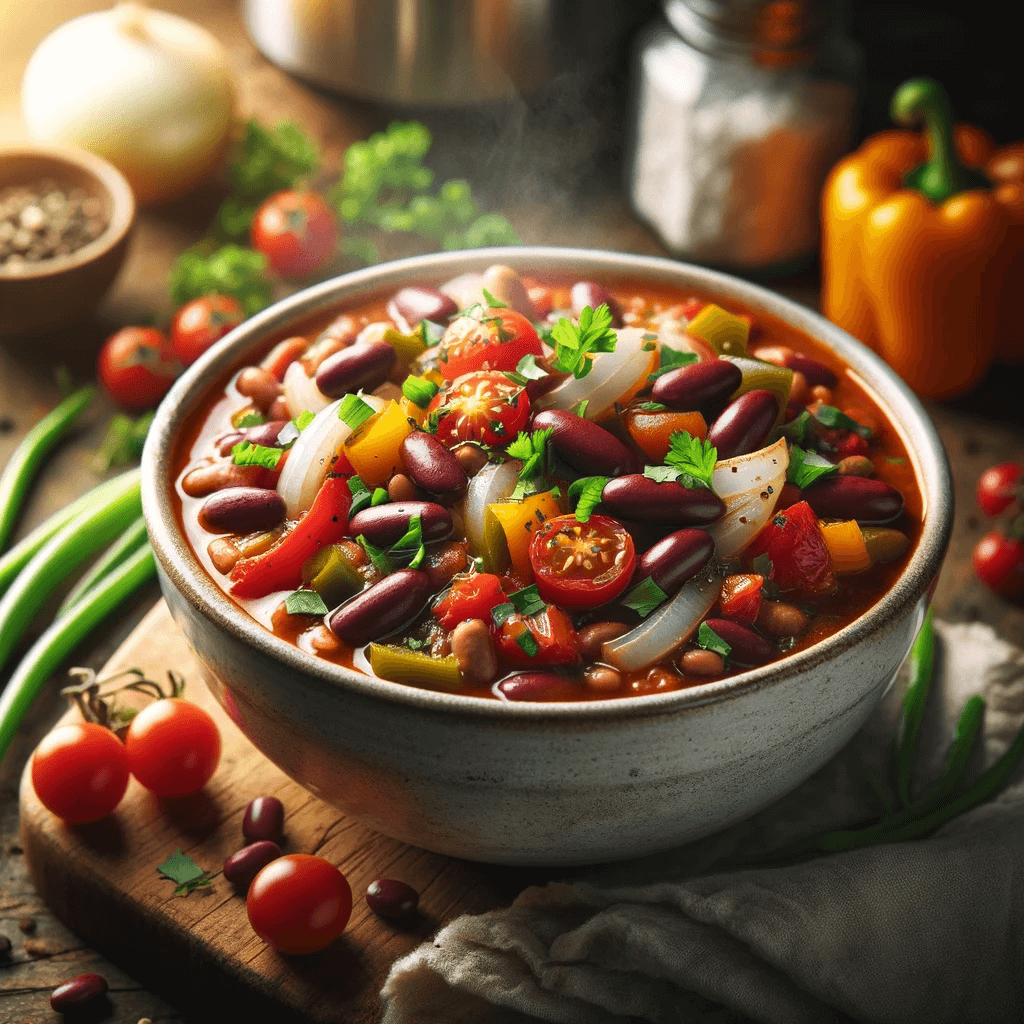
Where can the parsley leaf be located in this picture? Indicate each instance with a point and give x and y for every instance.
(661, 474)
(354, 411)
(692, 457)
(361, 496)
(187, 875)
(379, 497)
(305, 602)
(412, 540)
(419, 391)
(532, 449)
(528, 644)
(528, 600)
(492, 302)
(644, 597)
(527, 367)
(289, 433)
(830, 416)
(249, 418)
(573, 343)
(378, 556)
(247, 454)
(500, 613)
(581, 408)
(806, 467)
(671, 359)
(711, 641)
(586, 492)
(762, 565)
(651, 406)
(431, 333)
(801, 430)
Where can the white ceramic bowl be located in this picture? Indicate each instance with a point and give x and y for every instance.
(521, 783)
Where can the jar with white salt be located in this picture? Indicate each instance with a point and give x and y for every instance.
(740, 108)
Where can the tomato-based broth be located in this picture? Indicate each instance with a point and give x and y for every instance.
(548, 491)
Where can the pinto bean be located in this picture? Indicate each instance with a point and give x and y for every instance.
(638, 497)
(587, 293)
(384, 524)
(283, 354)
(258, 384)
(408, 306)
(675, 559)
(360, 366)
(745, 424)
(223, 554)
(702, 663)
(854, 497)
(591, 638)
(747, 647)
(703, 387)
(471, 457)
(401, 488)
(777, 618)
(602, 679)
(584, 445)
(385, 607)
(321, 350)
(884, 545)
(856, 465)
(242, 510)
(474, 649)
(279, 408)
(430, 465)
(214, 476)
(505, 284)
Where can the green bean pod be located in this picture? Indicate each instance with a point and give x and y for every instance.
(922, 655)
(134, 537)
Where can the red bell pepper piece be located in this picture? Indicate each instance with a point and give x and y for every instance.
(471, 597)
(552, 631)
(799, 557)
(280, 568)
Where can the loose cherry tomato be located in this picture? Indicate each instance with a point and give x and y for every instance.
(495, 340)
(201, 322)
(299, 903)
(485, 407)
(296, 231)
(799, 557)
(740, 597)
(999, 564)
(173, 747)
(998, 488)
(80, 772)
(137, 366)
(471, 597)
(553, 639)
(581, 565)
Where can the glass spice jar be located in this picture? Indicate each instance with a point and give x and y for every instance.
(740, 108)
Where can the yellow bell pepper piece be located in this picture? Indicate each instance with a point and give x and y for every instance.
(725, 332)
(846, 546)
(518, 519)
(407, 346)
(760, 376)
(373, 447)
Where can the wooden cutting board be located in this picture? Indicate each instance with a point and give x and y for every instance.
(199, 951)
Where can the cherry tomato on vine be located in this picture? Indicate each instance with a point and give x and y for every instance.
(173, 747)
(201, 322)
(581, 565)
(496, 339)
(299, 903)
(137, 367)
(998, 487)
(296, 231)
(999, 564)
(485, 407)
(80, 772)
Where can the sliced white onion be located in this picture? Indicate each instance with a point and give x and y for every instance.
(750, 486)
(466, 289)
(310, 457)
(494, 483)
(301, 392)
(669, 626)
(613, 375)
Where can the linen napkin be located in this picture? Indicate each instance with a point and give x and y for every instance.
(927, 931)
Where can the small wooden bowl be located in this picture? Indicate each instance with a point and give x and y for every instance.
(64, 289)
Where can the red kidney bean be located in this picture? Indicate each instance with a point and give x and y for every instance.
(537, 686)
(585, 446)
(242, 510)
(264, 819)
(417, 303)
(242, 867)
(854, 497)
(815, 372)
(638, 497)
(587, 293)
(676, 558)
(364, 365)
(704, 387)
(265, 434)
(226, 442)
(747, 647)
(745, 424)
(389, 897)
(77, 992)
(382, 525)
(383, 608)
(432, 466)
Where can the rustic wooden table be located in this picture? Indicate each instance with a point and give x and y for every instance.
(985, 428)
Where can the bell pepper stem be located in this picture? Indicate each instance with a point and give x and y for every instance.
(942, 175)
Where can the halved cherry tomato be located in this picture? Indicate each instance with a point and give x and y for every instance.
(551, 632)
(799, 557)
(201, 322)
(495, 340)
(470, 597)
(581, 565)
(998, 488)
(740, 597)
(137, 367)
(296, 231)
(485, 407)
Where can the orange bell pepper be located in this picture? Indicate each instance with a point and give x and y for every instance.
(918, 248)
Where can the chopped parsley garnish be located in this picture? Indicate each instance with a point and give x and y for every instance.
(532, 449)
(528, 644)
(644, 597)
(247, 454)
(378, 556)
(661, 474)
(711, 641)
(897, 461)
(419, 391)
(581, 408)
(651, 407)
(573, 343)
(361, 496)
(528, 600)
(431, 333)
(354, 411)
(806, 467)
(801, 430)
(492, 302)
(187, 875)
(412, 540)
(671, 359)
(527, 367)
(289, 433)
(415, 644)
(250, 418)
(830, 416)
(762, 565)
(695, 459)
(379, 496)
(501, 613)
(305, 602)
(586, 492)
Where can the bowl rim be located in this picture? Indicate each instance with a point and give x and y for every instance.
(902, 408)
(107, 177)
